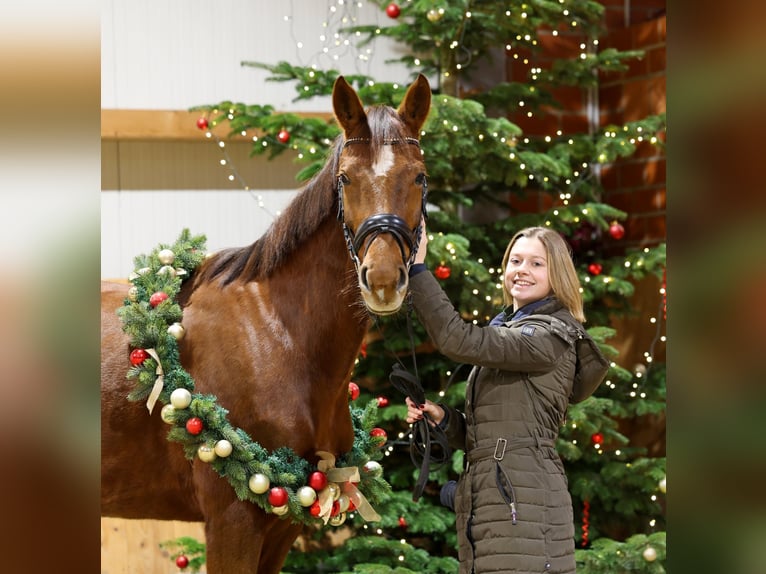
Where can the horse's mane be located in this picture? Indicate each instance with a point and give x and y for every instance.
(311, 207)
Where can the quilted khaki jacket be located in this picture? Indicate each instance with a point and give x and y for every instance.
(513, 508)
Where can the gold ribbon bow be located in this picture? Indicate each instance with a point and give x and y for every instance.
(345, 477)
(158, 383)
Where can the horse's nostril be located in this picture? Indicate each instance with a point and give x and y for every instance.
(363, 278)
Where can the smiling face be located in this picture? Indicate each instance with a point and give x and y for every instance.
(526, 273)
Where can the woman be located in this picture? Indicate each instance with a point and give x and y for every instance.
(513, 509)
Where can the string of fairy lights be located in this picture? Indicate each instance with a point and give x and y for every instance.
(331, 45)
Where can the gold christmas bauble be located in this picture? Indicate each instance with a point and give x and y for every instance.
(177, 331)
(166, 256)
(167, 270)
(258, 483)
(343, 502)
(144, 270)
(338, 519)
(223, 448)
(306, 495)
(168, 414)
(650, 554)
(133, 293)
(434, 15)
(206, 453)
(280, 510)
(180, 398)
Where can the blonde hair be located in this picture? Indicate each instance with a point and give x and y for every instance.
(561, 271)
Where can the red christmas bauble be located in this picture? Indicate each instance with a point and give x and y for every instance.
(351, 505)
(182, 561)
(335, 508)
(157, 298)
(315, 509)
(317, 480)
(393, 10)
(382, 401)
(278, 496)
(353, 391)
(194, 425)
(616, 230)
(442, 272)
(378, 432)
(138, 356)
(594, 268)
(597, 438)
(283, 136)
(402, 522)
(202, 123)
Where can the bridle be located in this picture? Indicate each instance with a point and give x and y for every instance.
(382, 222)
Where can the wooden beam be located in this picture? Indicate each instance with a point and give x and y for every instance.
(166, 125)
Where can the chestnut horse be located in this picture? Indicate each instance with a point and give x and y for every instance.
(273, 330)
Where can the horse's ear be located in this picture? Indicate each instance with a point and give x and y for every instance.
(416, 104)
(347, 106)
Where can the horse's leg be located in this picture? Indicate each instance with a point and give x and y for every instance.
(276, 547)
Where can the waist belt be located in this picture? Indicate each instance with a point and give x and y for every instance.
(498, 450)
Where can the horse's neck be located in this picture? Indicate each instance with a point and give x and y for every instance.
(319, 284)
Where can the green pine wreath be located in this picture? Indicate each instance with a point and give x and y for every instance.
(155, 326)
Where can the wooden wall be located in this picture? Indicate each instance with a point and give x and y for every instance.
(132, 546)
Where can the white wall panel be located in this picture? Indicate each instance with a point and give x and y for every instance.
(175, 54)
(134, 222)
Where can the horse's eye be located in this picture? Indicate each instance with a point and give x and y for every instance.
(420, 179)
(343, 178)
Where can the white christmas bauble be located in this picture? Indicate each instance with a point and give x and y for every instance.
(663, 485)
(168, 414)
(166, 256)
(343, 502)
(167, 270)
(280, 510)
(333, 489)
(177, 331)
(338, 519)
(133, 276)
(180, 272)
(258, 483)
(306, 495)
(206, 453)
(373, 468)
(180, 398)
(144, 270)
(223, 448)
(133, 293)
(650, 554)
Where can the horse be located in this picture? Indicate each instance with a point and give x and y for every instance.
(273, 331)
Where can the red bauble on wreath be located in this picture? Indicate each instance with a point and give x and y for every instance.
(278, 496)
(353, 391)
(393, 10)
(317, 480)
(138, 356)
(378, 432)
(157, 298)
(616, 231)
(382, 401)
(194, 425)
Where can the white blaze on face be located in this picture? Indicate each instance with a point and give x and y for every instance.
(384, 161)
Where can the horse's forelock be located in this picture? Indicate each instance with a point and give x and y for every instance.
(385, 125)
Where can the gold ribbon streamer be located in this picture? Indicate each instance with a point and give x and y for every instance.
(158, 383)
(345, 476)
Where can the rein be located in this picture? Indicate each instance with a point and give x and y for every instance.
(382, 222)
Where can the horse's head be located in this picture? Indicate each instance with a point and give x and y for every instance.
(382, 189)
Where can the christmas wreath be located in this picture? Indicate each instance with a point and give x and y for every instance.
(280, 482)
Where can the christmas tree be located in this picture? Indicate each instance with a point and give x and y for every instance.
(482, 166)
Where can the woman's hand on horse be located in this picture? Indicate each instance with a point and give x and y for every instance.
(420, 256)
(415, 412)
